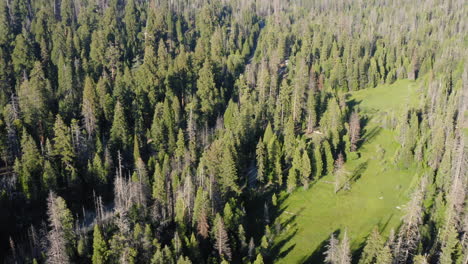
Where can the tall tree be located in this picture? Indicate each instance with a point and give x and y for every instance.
(221, 238)
(63, 146)
(61, 235)
(99, 247)
(306, 169)
(354, 130)
(119, 135)
(207, 90)
(30, 166)
(89, 106)
(260, 153)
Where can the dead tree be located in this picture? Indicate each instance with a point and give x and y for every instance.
(409, 235)
(354, 130)
(57, 251)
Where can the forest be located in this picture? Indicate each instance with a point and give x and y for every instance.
(233, 131)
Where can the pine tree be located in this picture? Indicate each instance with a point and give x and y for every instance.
(30, 166)
(260, 153)
(385, 256)
(63, 146)
(374, 245)
(159, 185)
(131, 21)
(34, 96)
(99, 247)
(318, 170)
(331, 254)
(289, 139)
(306, 170)
(49, 177)
(354, 130)
(89, 106)
(228, 177)
(221, 238)
(292, 179)
(61, 235)
(119, 131)
(180, 150)
(330, 161)
(5, 28)
(22, 56)
(207, 91)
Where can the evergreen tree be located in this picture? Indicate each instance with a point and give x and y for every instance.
(306, 170)
(318, 170)
(119, 130)
(89, 106)
(385, 256)
(99, 247)
(292, 179)
(260, 161)
(228, 177)
(207, 90)
(61, 235)
(63, 146)
(22, 56)
(374, 246)
(328, 157)
(34, 96)
(221, 238)
(259, 259)
(29, 167)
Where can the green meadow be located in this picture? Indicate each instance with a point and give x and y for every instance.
(379, 188)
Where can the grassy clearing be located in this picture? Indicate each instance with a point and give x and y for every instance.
(377, 197)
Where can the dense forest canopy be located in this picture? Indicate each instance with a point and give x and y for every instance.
(154, 131)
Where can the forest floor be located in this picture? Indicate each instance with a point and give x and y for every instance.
(379, 188)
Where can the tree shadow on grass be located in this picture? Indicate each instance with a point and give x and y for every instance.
(276, 251)
(357, 173)
(369, 135)
(288, 225)
(318, 255)
(383, 225)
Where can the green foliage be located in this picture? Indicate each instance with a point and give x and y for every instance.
(63, 147)
(119, 131)
(207, 90)
(22, 55)
(100, 248)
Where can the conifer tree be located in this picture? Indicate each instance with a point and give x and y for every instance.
(61, 235)
(318, 170)
(29, 167)
(259, 259)
(385, 256)
(34, 97)
(5, 31)
(22, 56)
(330, 161)
(306, 170)
(99, 247)
(221, 238)
(119, 131)
(228, 177)
(374, 246)
(49, 177)
(292, 179)
(63, 146)
(159, 185)
(354, 130)
(207, 91)
(89, 106)
(260, 161)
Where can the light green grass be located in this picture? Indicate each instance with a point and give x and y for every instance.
(377, 198)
